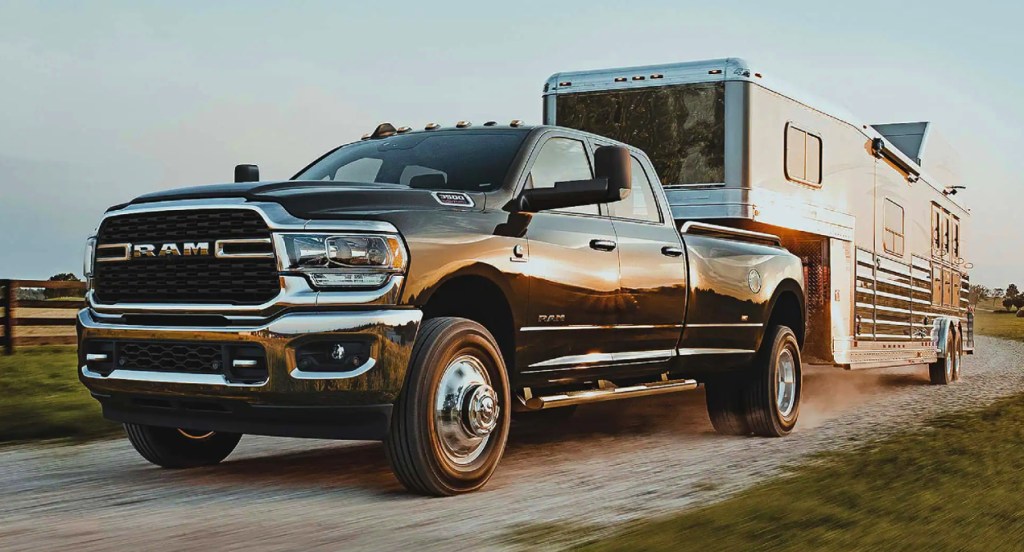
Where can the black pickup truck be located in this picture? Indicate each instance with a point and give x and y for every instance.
(426, 288)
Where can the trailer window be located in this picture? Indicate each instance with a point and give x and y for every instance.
(803, 156)
(892, 216)
(681, 128)
(956, 239)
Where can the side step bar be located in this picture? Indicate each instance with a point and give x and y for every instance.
(610, 394)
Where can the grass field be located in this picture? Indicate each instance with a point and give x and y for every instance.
(955, 486)
(999, 324)
(42, 398)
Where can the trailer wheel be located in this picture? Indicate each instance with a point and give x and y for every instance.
(726, 405)
(945, 371)
(169, 447)
(959, 358)
(451, 421)
(773, 395)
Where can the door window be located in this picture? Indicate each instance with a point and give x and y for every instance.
(892, 216)
(560, 160)
(640, 205)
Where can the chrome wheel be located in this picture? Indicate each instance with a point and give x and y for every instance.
(785, 397)
(949, 364)
(466, 410)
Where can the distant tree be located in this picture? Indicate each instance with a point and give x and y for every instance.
(998, 293)
(64, 277)
(1007, 303)
(1012, 291)
(979, 293)
(1018, 301)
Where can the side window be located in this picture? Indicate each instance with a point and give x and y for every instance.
(936, 230)
(640, 205)
(559, 160)
(892, 217)
(803, 156)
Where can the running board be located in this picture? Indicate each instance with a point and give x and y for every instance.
(598, 395)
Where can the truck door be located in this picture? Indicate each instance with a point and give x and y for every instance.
(573, 271)
(652, 274)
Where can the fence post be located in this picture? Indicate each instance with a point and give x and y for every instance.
(8, 319)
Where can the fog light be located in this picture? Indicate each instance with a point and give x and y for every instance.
(333, 356)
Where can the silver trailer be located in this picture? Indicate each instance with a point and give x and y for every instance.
(863, 205)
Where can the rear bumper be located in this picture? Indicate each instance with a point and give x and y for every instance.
(289, 402)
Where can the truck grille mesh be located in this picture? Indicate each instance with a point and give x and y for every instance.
(170, 357)
(185, 279)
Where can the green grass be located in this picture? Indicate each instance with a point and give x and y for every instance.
(999, 324)
(955, 486)
(41, 398)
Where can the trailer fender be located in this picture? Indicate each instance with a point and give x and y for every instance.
(941, 328)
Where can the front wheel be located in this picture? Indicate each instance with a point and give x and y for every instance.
(451, 421)
(170, 447)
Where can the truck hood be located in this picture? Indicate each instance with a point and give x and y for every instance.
(327, 200)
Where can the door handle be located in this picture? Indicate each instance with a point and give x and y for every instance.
(602, 245)
(671, 251)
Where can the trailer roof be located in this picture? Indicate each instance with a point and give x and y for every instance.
(737, 69)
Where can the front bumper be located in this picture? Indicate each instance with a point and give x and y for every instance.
(290, 402)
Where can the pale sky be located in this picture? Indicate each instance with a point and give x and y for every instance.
(103, 101)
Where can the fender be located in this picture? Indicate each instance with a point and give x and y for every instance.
(786, 285)
(940, 333)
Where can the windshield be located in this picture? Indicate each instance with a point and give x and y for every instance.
(463, 160)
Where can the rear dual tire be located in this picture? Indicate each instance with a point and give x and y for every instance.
(765, 400)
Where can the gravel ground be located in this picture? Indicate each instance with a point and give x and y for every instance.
(612, 462)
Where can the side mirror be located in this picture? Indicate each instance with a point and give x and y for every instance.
(614, 176)
(247, 173)
(614, 164)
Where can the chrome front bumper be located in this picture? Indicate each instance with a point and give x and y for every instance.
(391, 333)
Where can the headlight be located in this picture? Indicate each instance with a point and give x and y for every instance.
(90, 257)
(344, 261)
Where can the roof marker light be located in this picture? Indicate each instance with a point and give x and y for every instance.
(403, 130)
(620, 79)
(384, 130)
(432, 126)
(463, 124)
(657, 76)
(515, 123)
(638, 77)
(758, 75)
(715, 72)
(366, 136)
(565, 83)
(490, 123)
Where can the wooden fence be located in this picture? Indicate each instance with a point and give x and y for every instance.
(38, 312)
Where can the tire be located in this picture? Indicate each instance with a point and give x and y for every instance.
(456, 389)
(726, 405)
(958, 360)
(776, 384)
(944, 370)
(169, 447)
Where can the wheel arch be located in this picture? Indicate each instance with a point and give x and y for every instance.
(480, 293)
(787, 307)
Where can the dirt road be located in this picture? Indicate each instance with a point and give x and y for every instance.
(612, 462)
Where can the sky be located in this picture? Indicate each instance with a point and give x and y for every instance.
(103, 101)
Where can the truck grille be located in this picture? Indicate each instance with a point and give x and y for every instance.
(185, 279)
(170, 357)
